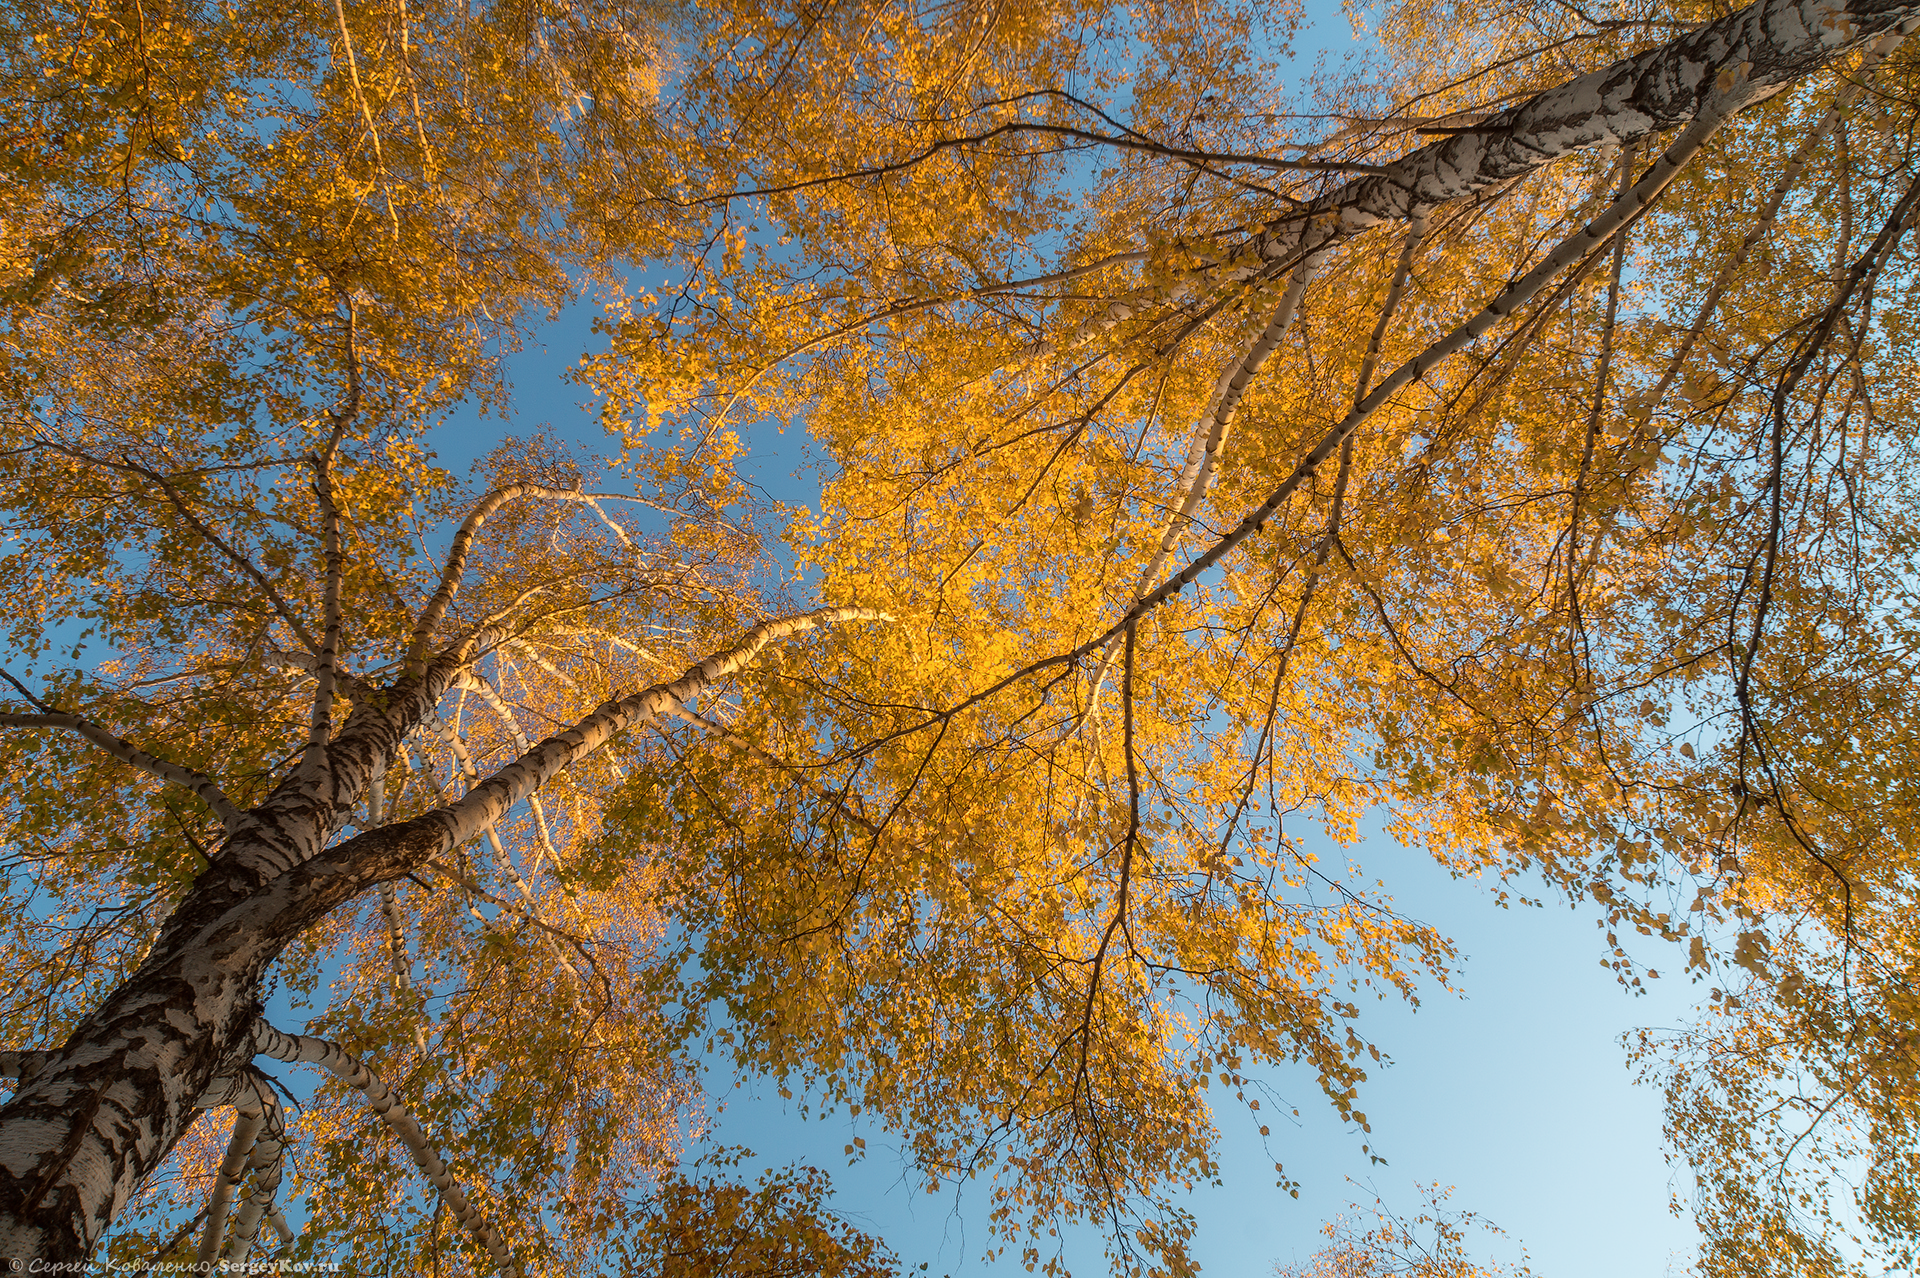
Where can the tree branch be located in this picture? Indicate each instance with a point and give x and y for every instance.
(940, 145)
(242, 562)
(320, 729)
(199, 783)
(1575, 246)
(456, 563)
(1203, 454)
(1396, 287)
(352, 1071)
(1687, 79)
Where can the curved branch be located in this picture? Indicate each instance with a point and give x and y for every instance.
(259, 1146)
(319, 882)
(939, 145)
(456, 563)
(240, 561)
(487, 802)
(351, 1070)
(199, 783)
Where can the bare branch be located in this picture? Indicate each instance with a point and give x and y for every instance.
(940, 145)
(456, 563)
(240, 561)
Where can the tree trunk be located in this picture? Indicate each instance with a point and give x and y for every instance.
(91, 1121)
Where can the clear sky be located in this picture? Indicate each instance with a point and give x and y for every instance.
(1517, 1093)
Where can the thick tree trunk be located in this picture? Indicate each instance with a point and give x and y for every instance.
(1726, 65)
(91, 1121)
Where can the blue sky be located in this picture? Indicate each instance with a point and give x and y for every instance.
(1516, 1093)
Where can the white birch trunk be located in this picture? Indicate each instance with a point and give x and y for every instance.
(93, 1119)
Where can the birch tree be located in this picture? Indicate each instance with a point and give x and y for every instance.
(1520, 456)
(257, 633)
(1147, 542)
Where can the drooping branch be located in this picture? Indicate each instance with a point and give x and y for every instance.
(1576, 246)
(203, 786)
(352, 1071)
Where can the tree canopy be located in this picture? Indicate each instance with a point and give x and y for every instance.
(1506, 443)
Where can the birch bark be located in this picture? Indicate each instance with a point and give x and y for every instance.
(93, 1119)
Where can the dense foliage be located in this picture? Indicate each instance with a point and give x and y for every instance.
(1507, 442)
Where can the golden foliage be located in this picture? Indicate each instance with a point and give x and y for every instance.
(1617, 600)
